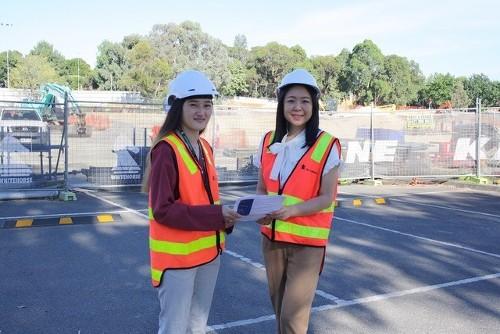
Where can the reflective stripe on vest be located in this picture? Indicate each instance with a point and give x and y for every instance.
(303, 184)
(172, 248)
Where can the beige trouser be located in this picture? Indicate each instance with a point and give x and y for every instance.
(292, 275)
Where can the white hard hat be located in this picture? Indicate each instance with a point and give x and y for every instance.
(299, 76)
(186, 84)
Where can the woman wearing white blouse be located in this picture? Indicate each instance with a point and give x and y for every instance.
(300, 162)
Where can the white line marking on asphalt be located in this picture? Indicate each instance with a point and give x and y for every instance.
(400, 195)
(395, 199)
(114, 203)
(357, 301)
(339, 302)
(260, 266)
(245, 259)
(228, 252)
(419, 237)
(446, 207)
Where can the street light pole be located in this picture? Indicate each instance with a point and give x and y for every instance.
(8, 70)
(8, 25)
(78, 85)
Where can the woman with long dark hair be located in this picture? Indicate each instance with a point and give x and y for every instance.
(299, 162)
(187, 222)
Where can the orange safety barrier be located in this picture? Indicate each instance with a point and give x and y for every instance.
(98, 122)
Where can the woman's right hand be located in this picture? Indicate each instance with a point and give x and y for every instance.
(230, 216)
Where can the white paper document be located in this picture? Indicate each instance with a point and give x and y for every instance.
(254, 207)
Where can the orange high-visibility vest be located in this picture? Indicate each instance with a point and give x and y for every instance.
(303, 184)
(172, 248)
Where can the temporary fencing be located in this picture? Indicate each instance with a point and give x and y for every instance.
(106, 144)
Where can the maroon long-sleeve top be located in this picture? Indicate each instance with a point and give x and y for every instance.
(164, 188)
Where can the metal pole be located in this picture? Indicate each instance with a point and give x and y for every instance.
(78, 85)
(65, 131)
(8, 25)
(213, 130)
(372, 144)
(478, 158)
(8, 70)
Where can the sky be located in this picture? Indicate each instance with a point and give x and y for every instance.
(460, 37)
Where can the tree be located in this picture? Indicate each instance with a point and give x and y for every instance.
(237, 85)
(14, 58)
(110, 66)
(130, 41)
(271, 63)
(146, 72)
(459, 97)
(54, 57)
(437, 90)
(403, 79)
(326, 70)
(239, 50)
(186, 46)
(480, 86)
(365, 65)
(496, 93)
(33, 71)
(77, 73)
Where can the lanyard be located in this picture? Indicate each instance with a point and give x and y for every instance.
(200, 160)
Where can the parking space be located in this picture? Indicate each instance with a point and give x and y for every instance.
(426, 261)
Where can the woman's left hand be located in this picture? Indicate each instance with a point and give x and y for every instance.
(284, 213)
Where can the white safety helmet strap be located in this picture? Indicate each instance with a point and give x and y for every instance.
(186, 84)
(299, 76)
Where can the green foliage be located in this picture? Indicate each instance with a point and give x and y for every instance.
(480, 86)
(496, 93)
(77, 73)
(237, 85)
(146, 72)
(403, 79)
(271, 62)
(110, 66)
(14, 58)
(365, 65)
(186, 46)
(146, 64)
(459, 97)
(33, 71)
(47, 51)
(239, 50)
(437, 90)
(327, 70)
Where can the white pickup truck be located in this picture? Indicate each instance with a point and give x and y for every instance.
(25, 125)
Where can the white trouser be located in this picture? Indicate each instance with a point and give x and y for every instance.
(185, 298)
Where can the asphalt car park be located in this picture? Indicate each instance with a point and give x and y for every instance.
(426, 259)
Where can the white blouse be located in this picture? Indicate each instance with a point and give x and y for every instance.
(289, 153)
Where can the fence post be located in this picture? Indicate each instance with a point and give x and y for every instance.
(478, 118)
(66, 141)
(372, 144)
(213, 130)
(66, 195)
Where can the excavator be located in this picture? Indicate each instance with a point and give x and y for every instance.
(51, 109)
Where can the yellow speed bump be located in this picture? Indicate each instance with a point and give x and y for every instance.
(357, 202)
(380, 200)
(24, 222)
(105, 219)
(65, 221)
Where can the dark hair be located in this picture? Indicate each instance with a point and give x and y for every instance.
(312, 125)
(172, 122)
